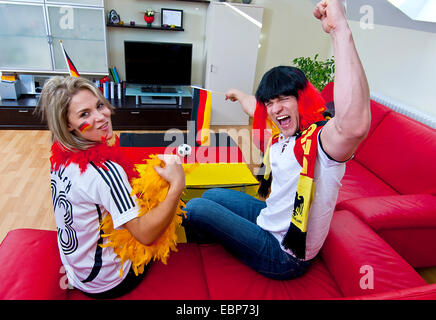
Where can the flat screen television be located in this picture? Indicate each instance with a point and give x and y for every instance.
(158, 63)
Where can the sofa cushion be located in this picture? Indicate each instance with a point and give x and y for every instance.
(230, 279)
(406, 222)
(182, 278)
(31, 266)
(426, 292)
(359, 182)
(361, 262)
(401, 152)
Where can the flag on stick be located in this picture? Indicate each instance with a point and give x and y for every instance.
(201, 109)
(71, 68)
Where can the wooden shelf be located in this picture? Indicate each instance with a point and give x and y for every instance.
(18, 115)
(143, 26)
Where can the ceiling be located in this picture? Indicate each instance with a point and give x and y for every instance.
(409, 14)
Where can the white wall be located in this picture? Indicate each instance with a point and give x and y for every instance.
(399, 63)
(194, 19)
(289, 31)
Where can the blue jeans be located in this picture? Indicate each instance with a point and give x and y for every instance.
(229, 217)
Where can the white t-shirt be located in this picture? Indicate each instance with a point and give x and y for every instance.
(277, 215)
(80, 202)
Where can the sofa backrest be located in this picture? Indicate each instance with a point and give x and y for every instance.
(378, 111)
(328, 92)
(401, 152)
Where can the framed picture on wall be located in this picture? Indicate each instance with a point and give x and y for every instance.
(172, 17)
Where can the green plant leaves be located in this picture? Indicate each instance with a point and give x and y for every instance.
(318, 72)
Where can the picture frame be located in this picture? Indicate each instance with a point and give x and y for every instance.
(171, 17)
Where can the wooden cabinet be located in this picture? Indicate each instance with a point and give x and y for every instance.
(129, 116)
(31, 30)
(18, 114)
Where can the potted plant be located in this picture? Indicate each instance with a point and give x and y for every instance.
(149, 17)
(318, 72)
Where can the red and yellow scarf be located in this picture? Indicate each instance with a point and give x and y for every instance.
(305, 150)
(311, 106)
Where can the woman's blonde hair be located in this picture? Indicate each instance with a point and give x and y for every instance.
(53, 107)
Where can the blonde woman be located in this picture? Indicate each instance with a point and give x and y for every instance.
(89, 180)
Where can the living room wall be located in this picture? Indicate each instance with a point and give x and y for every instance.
(194, 19)
(399, 63)
(282, 36)
(289, 31)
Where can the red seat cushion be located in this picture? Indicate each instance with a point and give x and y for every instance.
(426, 292)
(406, 222)
(230, 279)
(402, 152)
(181, 279)
(359, 182)
(31, 266)
(361, 262)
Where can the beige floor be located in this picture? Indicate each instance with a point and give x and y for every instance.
(25, 199)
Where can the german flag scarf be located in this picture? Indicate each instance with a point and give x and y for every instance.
(305, 151)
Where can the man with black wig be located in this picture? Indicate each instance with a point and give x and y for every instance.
(306, 155)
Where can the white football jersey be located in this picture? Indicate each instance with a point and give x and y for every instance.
(80, 202)
(277, 215)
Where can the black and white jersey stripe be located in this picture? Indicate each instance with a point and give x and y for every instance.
(118, 189)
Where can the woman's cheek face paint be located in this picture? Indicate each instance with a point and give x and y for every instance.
(84, 126)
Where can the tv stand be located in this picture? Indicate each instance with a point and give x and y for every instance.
(162, 95)
(157, 100)
(158, 89)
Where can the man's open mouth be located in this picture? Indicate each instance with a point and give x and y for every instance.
(284, 120)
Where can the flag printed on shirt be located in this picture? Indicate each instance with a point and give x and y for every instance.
(71, 68)
(201, 110)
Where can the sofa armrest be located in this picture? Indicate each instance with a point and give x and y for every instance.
(31, 266)
(406, 222)
(361, 262)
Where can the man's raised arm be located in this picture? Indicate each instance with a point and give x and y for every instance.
(343, 133)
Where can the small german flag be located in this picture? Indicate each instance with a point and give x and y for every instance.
(71, 68)
(201, 109)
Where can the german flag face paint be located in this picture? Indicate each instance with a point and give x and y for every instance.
(84, 127)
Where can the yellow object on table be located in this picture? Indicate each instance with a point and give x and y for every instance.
(205, 176)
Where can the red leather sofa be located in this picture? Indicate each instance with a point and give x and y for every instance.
(384, 227)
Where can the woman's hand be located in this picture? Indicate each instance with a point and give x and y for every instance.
(172, 171)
